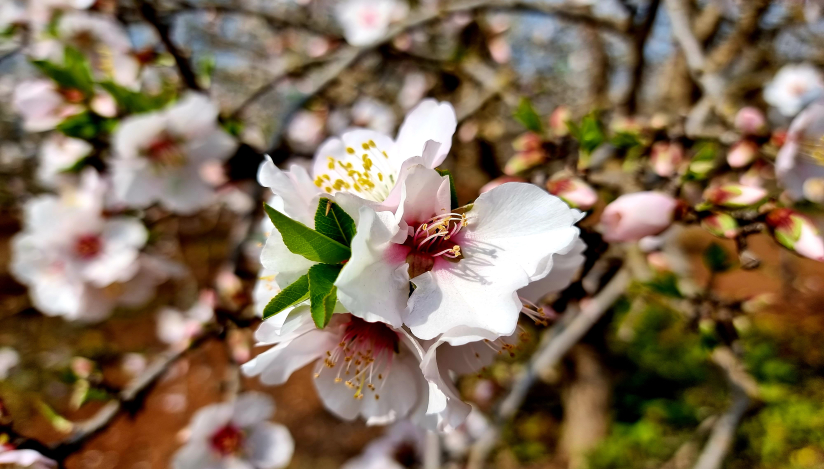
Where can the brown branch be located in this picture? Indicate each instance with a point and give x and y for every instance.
(641, 34)
(149, 13)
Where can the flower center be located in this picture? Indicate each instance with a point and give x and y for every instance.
(71, 95)
(432, 240)
(165, 152)
(88, 246)
(228, 440)
(365, 171)
(369, 18)
(363, 355)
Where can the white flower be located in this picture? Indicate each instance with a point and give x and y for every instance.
(24, 458)
(365, 163)
(365, 21)
(793, 87)
(236, 435)
(305, 131)
(101, 40)
(69, 254)
(178, 328)
(361, 368)
(43, 105)
(9, 358)
(400, 447)
(58, 154)
(466, 267)
(12, 12)
(159, 155)
(800, 161)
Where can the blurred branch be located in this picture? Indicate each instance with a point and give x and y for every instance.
(555, 343)
(289, 19)
(642, 33)
(723, 432)
(149, 13)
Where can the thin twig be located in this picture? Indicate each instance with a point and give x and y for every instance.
(188, 76)
(642, 33)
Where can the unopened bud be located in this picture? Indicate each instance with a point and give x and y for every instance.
(758, 303)
(721, 225)
(742, 153)
(634, 216)
(796, 232)
(81, 367)
(666, 157)
(574, 191)
(750, 121)
(529, 153)
(558, 121)
(735, 195)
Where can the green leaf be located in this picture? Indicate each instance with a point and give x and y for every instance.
(289, 296)
(528, 117)
(322, 292)
(332, 221)
(83, 126)
(453, 195)
(590, 134)
(134, 102)
(307, 242)
(716, 258)
(75, 73)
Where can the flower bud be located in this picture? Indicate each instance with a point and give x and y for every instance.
(572, 190)
(758, 303)
(498, 181)
(750, 121)
(634, 216)
(735, 195)
(558, 121)
(813, 190)
(529, 153)
(742, 153)
(665, 158)
(721, 225)
(796, 232)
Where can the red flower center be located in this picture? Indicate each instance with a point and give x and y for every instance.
(437, 238)
(228, 440)
(88, 246)
(165, 151)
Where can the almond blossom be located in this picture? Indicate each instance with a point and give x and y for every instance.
(237, 434)
(9, 358)
(799, 165)
(101, 40)
(365, 21)
(367, 163)
(43, 104)
(159, 156)
(77, 262)
(466, 267)
(58, 154)
(793, 87)
(400, 447)
(361, 368)
(178, 328)
(24, 458)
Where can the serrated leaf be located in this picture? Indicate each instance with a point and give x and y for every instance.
(322, 292)
(332, 221)
(307, 242)
(453, 194)
(293, 294)
(716, 258)
(528, 117)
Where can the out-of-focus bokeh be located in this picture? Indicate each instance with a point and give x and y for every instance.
(707, 355)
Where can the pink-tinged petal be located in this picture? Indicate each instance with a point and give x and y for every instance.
(631, 217)
(524, 224)
(194, 116)
(429, 120)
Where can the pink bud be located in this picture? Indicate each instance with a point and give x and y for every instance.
(498, 181)
(735, 195)
(633, 216)
(529, 153)
(721, 225)
(104, 105)
(742, 153)
(666, 157)
(575, 192)
(81, 367)
(527, 141)
(796, 232)
(750, 120)
(558, 121)
(658, 261)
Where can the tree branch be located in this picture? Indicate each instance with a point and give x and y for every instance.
(149, 13)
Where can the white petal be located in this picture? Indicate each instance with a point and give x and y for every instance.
(193, 116)
(278, 258)
(444, 400)
(523, 223)
(564, 268)
(209, 420)
(374, 257)
(217, 145)
(184, 191)
(425, 194)
(122, 238)
(278, 363)
(430, 120)
(296, 189)
(252, 408)
(270, 446)
(136, 132)
(478, 291)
